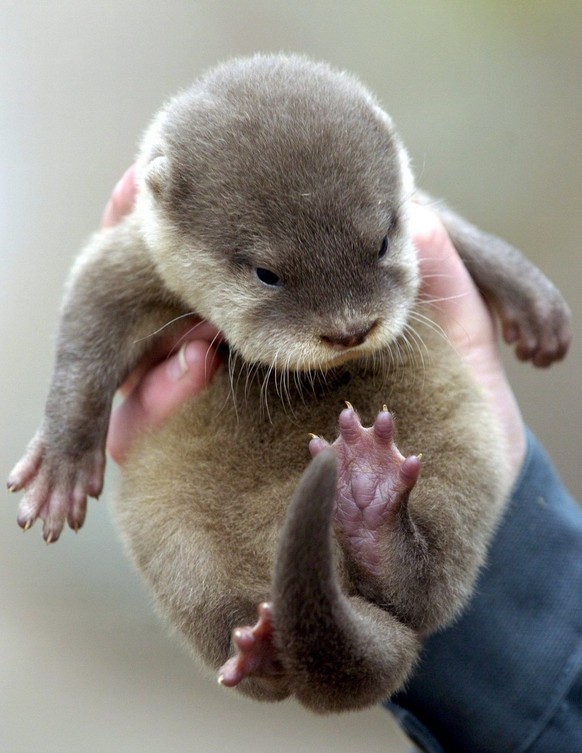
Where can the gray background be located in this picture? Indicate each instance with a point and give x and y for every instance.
(487, 96)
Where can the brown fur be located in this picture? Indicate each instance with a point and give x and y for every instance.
(202, 508)
(283, 165)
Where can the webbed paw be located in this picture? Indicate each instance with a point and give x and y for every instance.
(540, 331)
(56, 486)
(374, 482)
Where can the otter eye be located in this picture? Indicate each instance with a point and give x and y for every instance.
(267, 277)
(383, 247)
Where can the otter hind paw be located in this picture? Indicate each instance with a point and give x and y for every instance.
(374, 483)
(255, 651)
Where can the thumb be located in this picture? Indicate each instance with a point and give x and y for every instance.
(159, 394)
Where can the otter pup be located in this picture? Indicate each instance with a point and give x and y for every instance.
(274, 198)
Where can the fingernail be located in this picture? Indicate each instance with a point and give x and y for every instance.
(123, 188)
(125, 184)
(178, 365)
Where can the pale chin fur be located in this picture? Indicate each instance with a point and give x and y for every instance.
(291, 355)
(285, 349)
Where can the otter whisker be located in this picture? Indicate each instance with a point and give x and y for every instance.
(169, 324)
(251, 372)
(232, 362)
(427, 321)
(264, 395)
(416, 344)
(433, 301)
(286, 386)
(208, 351)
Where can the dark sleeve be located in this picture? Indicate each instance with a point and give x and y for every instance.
(507, 676)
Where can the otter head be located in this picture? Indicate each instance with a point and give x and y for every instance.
(276, 196)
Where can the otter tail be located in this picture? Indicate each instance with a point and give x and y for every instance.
(340, 652)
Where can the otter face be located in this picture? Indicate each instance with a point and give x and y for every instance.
(277, 197)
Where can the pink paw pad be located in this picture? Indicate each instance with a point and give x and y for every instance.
(374, 482)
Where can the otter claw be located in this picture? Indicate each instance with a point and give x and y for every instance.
(56, 487)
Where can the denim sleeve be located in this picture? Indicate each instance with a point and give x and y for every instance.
(507, 676)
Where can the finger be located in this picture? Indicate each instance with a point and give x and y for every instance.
(443, 273)
(122, 199)
(161, 391)
(447, 288)
(169, 344)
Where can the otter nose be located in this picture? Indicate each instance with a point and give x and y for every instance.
(348, 338)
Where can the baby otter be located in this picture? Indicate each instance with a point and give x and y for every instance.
(274, 200)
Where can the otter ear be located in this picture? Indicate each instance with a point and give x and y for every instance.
(156, 175)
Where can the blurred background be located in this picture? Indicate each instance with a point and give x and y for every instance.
(488, 98)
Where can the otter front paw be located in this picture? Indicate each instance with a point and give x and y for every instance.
(56, 486)
(255, 651)
(374, 483)
(540, 330)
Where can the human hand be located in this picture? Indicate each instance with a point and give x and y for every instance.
(459, 309)
(162, 382)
